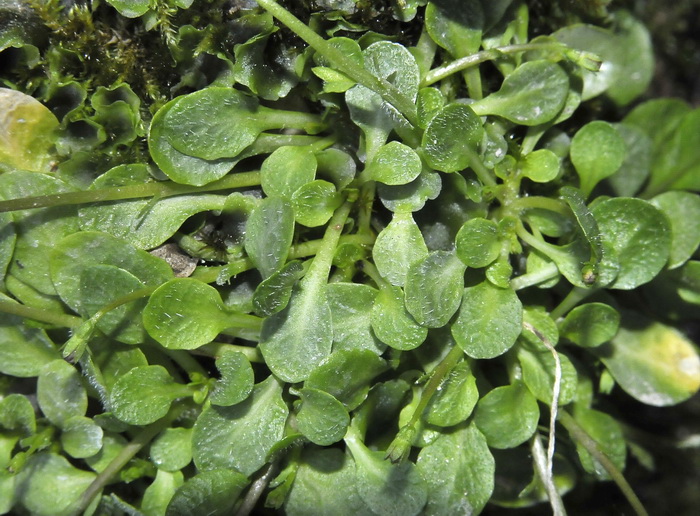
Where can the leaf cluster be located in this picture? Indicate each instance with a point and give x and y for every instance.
(328, 270)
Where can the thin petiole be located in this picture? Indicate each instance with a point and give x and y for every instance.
(117, 193)
(591, 446)
(583, 59)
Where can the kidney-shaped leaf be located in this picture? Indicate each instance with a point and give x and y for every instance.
(213, 123)
(507, 415)
(477, 242)
(23, 350)
(325, 484)
(273, 294)
(144, 394)
(269, 234)
(654, 363)
(236, 381)
(102, 285)
(683, 212)
(17, 414)
(38, 232)
(434, 288)
(321, 418)
(60, 392)
(81, 437)
(388, 489)
(628, 60)
(392, 323)
(411, 196)
(590, 325)
(533, 94)
(395, 164)
(597, 151)
(315, 202)
(185, 313)
(49, 485)
(296, 340)
(539, 371)
(639, 234)
(347, 375)
(81, 250)
(172, 449)
(351, 307)
(541, 166)
(489, 321)
(241, 436)
(286, 170)
(451, 138)
(455, 25)
(141, 221)
(178, 166)
(607, 433)
(455, 400)
(130, 8)
(397, 247)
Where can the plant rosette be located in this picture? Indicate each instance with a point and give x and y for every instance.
(323, 269)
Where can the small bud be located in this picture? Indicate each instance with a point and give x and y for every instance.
(586, 60)
(400, 447)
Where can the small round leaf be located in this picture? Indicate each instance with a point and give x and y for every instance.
(639, 234)
(590, 325)
(451, 138)
(395, 164)
(507, 416)
(236, 381)
(597, 151)
(477, 242)
(321, 418)
(144, 394)
(489, 321)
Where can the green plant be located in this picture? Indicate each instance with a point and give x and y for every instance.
(340, 272)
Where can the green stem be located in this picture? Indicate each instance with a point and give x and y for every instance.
(159, 189)
(574, 297)
(185, 361)
(531, 138)
(39, 314)
(356, 72)
(424, 52)
(401, 445)
(543, 203)
(546, 273)
(436, 378)
(591, 446)
(441, 72)
(74, 348)
(311, 247)
(472, 77)
(321, 265)
(216, 349)
(248, 321)
(370, 270)
(265, 143)
(483, 173)
(366, 202)
(211, 274)
(281, 119)
(125, 455)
